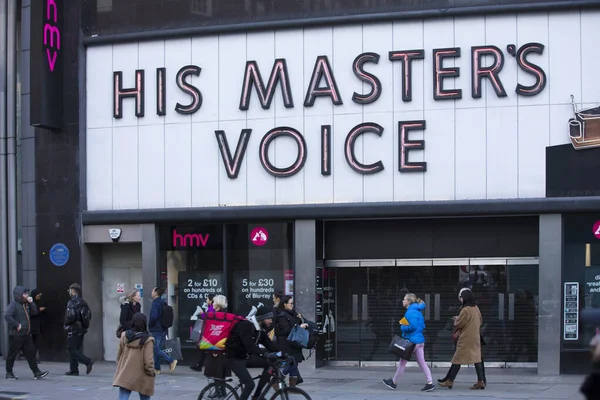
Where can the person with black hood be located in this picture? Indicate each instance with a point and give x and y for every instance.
(36, 322)
(76, 331)
(135, 361)
(243, 347)
(18, 316)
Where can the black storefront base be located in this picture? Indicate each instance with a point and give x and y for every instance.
(420, 209)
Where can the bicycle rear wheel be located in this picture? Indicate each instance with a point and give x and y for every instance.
(218, 391)
(290, 393)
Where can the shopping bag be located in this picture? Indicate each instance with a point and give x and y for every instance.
(173, 349)
(216, 328)
(401, 347)
(298, 337)
(197, 331)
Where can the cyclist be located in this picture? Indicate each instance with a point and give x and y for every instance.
(244, 343)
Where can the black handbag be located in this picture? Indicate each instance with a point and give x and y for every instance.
(401, 347)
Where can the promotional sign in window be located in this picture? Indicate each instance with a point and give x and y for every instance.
(255, 289)
(325, 311)
(194, 287)
(571, 311)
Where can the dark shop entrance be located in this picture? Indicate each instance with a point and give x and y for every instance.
(370, 266)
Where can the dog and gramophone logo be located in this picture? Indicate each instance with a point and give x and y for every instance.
(584, 129)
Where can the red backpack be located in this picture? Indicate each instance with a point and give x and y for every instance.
(215, 330)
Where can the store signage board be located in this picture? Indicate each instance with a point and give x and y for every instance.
(262, 86)
(387, 112)
(571, 311)
(596, 230)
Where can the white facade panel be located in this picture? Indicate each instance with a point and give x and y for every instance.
(205, 184)
(590, 57)
(152, 166)
(125, 167)
(476, 144)
(471, 151)
(502, 171)
(178, 165)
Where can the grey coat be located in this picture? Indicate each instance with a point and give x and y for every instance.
(19, 312)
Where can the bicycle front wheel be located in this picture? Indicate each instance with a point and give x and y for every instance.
(290, 393)
(218, 390)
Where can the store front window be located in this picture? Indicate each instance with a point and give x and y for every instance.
(259, 262)
(581, 279)
(245, 262)
(369, 305)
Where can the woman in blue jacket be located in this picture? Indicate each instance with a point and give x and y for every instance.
(412, 327)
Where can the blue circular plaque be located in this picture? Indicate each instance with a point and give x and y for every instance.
(59, 254)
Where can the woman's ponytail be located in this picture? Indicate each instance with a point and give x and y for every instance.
(419, 300)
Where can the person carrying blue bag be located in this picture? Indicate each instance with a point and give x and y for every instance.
(287, 320)
(411, 328)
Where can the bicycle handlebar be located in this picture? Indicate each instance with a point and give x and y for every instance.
(283, 359)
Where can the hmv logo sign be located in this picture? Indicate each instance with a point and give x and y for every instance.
(47, 63)
(189, 239)
(51, 34)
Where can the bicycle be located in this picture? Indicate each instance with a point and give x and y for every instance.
(220, 389)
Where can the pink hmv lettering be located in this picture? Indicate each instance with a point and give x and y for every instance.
(597, 229)
(189, 239)
(259, 236)
(51, 33)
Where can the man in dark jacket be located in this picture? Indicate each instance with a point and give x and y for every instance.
(18, 316)
(243, 343)
(158, 332)
(76, 331)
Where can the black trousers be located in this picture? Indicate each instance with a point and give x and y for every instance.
(15, 345)
(240, 369)
(37, 341)
(75, 349)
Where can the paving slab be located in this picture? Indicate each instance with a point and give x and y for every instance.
(321, 384)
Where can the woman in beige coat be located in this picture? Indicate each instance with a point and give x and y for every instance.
(468, 346)
(135, 361)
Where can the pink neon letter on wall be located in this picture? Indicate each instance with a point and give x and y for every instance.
(51, 33)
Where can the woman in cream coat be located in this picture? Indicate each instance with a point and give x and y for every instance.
(468, 346)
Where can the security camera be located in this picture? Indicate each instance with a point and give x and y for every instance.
(115, 234)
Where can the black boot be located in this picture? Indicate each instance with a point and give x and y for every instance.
(449, 380)
(479, 369)
(444, 379)
(483, 372)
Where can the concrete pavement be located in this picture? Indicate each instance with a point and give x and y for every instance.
(321, 384)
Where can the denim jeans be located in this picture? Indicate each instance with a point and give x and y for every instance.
(291, 370)
(159, 354)
(124, 395)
